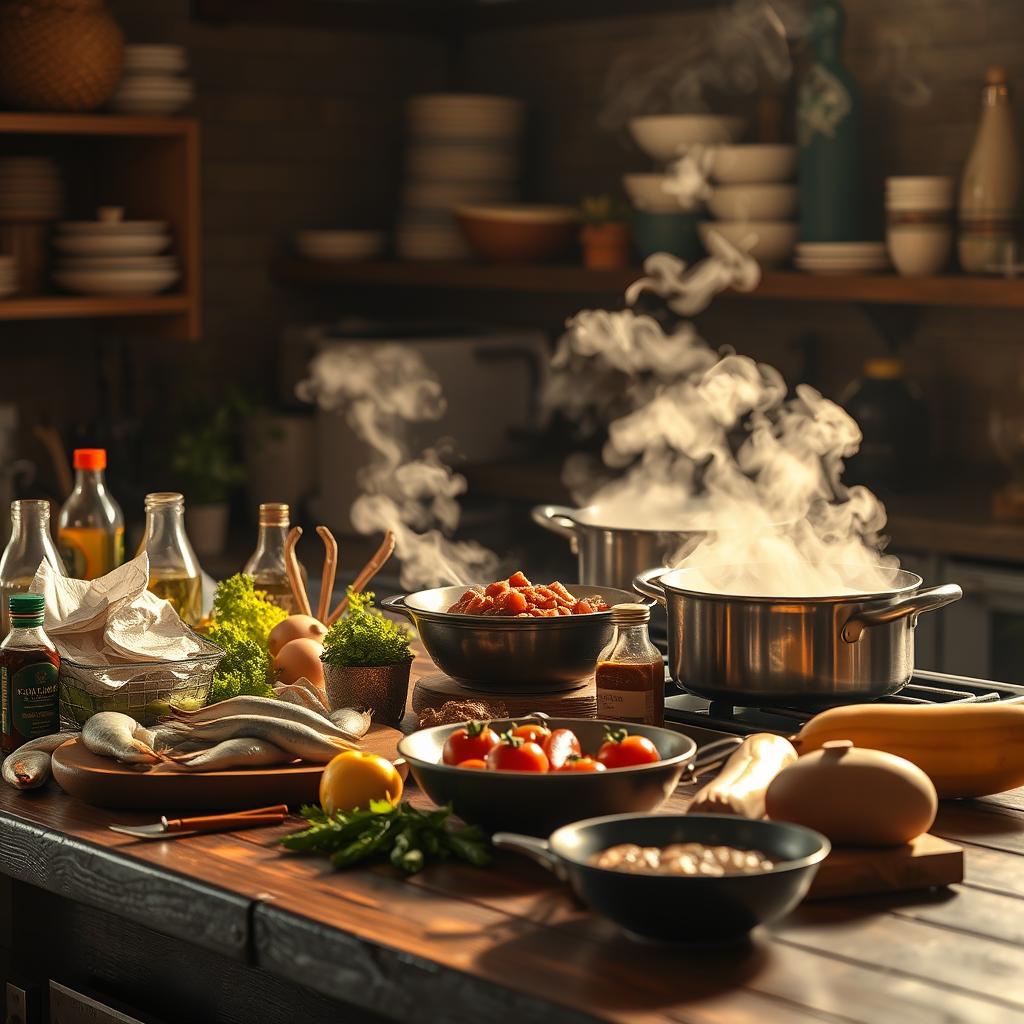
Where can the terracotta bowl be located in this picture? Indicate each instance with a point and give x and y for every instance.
(518, 233)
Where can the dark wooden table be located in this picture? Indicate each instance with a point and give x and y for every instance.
(230, 927)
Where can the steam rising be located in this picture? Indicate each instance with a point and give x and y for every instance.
(381, 391)
(711, 444)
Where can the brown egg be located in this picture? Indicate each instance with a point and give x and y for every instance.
(300, 658)
(294, 628)
(855, 796)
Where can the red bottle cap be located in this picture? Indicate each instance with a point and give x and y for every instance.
(90, 458)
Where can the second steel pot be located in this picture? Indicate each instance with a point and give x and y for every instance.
(791, 651)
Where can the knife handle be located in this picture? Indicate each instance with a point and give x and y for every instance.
(222, 822)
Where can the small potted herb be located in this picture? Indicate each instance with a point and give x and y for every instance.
(605, 234)
(367, 661)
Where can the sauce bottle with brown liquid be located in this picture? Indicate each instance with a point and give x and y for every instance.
(90, 530)
(29, 699)
(630, 672)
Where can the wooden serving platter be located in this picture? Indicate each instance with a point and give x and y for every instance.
(432, 691)
(105, 783)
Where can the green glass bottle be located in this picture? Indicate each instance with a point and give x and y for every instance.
(828, 124)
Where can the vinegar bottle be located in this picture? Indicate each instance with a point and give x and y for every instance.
(174, 572)
(29, 699)
(266, 566)
(630, 672)
(29, 545)
(90, 529)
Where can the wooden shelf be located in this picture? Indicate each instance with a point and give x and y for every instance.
(887, 289)
(19, 123)
(57, 307)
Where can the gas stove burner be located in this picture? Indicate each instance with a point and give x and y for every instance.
(923, 688)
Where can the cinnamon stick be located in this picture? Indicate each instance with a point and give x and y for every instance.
(366, 574)
(329, 573)
(291, 563)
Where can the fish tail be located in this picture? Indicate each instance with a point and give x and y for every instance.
(145, 748)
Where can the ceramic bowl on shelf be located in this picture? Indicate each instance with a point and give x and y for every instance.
(666, 137)
(340, 245)
(154, 58)
(752, 164)
(117, 282)
(920, 250)
(753, 202)
(110, 221)
(518, 232)
(648, 192)
(132, 244)
(771, 243)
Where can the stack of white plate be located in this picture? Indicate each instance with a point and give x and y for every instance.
(335, 246)
(153, 81)
(8, 276)
(463, 149)
(112, 256)
(841, 257)
(30, 189)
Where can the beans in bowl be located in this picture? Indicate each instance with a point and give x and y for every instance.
(520, 598)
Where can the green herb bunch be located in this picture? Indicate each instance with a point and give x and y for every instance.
(364, 637)
(241, 623)
(408, 838)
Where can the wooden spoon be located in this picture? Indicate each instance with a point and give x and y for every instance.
(329, 573)
(294, 573)
(366, 574)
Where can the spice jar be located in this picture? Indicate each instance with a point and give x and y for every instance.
(29, 700)
(630, 670)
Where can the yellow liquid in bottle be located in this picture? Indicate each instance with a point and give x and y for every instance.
(278, 592)
(90, 551)
(185, 594)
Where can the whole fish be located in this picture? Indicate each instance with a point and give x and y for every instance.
(296, 738)
(270, 707)
(243, 752)
(356, 723)
(28, 767)
(304, 696)
(111, 734)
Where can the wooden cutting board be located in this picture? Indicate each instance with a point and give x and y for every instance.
(925, 863)
(432, 691)
(105, 783)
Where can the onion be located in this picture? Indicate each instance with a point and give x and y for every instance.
(294, 628)
(300, 658)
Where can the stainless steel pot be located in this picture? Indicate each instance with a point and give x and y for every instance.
(609, 555)
(793, 651)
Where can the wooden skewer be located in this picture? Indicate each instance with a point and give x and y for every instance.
(294, 573)
(368, 571)
(329, 573)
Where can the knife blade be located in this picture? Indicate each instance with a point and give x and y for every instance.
(256, 818)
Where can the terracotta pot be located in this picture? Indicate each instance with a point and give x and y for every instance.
(606, 246)
(382, 689)
(207, 527)
(58, 54)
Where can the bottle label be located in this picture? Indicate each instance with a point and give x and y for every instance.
(625, 705)
(30, 700)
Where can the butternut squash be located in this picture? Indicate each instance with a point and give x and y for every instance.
(740, 786)
(966, 749)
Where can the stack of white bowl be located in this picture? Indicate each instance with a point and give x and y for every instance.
(754, 201)
(153, 81)
(463, 149)
(919, 212)
(8, 276)
(113, 256)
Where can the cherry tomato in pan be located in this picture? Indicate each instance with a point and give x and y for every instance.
(559, 746)
(532, 732)
(575, 763)
(471, 741)
(621, 750)
(514, 754)
(473, 762)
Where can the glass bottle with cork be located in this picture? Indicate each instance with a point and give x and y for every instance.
(29, 545)
(29, 663)
(630, 672)
(90, 529)
(266, 566)
(174, 572)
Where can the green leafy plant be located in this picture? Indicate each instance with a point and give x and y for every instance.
(602, 210)
(204, 457)
(408, 838)
(241, 623)
(364, 637)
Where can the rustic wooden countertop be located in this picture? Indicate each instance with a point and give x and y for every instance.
(458, 944)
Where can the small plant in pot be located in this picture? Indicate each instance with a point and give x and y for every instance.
(207, 468)
(605, 235)
(367, 661)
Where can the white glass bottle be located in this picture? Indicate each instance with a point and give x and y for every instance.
(174, 572)
(266, 566)
(90, 529)
(990, 192)
(29, 545)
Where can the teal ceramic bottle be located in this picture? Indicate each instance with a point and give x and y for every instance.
(828, 123)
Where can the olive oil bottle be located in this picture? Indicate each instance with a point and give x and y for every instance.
(266, 566)
(174, 572)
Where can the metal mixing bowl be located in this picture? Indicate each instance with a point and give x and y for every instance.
(500, 652)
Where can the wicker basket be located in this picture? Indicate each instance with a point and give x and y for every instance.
(58, 54)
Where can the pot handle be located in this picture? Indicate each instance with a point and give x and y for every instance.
(913, 605)
(648, 583)
(713, 755)
(396, 604)
(536, 849)
(556, 518)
